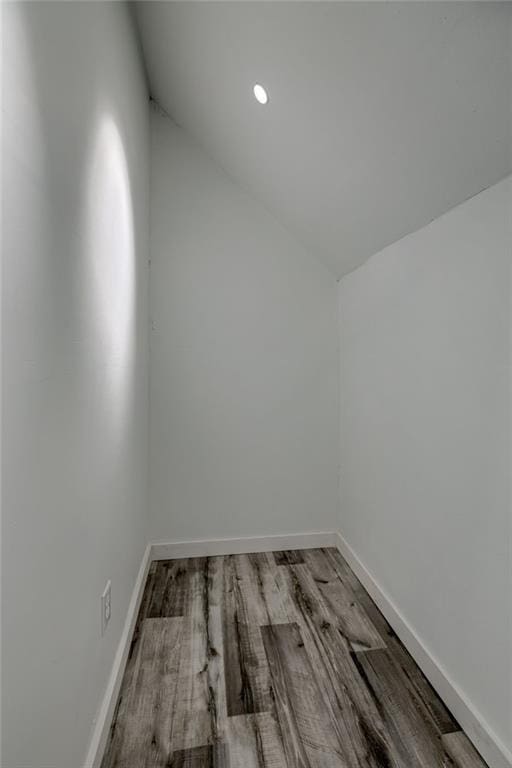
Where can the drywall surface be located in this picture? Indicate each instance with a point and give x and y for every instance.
(75, 338)
(243, 360)
(425, 439)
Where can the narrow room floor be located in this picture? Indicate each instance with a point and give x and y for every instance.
(274, 659)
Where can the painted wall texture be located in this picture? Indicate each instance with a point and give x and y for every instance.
(425, 439)
(243, 360)
(75, 359)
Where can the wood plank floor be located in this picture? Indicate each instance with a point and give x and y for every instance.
(275, 660)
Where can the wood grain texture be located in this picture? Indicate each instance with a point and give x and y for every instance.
(197, 757)
(292, 557)
(432, 705)
(274, 660)
(246, 675)
(461, 751)
(414, 738)
(142, 731)
(169, 590)
(255, 740)
(309, 738)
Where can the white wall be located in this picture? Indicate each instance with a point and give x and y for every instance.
(425, 439)
(243, 360)
(75, 216)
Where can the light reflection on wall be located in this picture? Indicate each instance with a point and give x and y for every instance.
(111, 259)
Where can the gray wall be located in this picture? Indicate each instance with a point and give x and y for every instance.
(243, 360)
(425, 439)
(74, 246)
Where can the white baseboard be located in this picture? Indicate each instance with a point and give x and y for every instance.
(481, 734)
(171, 550)
(108, 705)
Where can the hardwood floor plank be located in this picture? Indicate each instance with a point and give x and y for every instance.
(352, 620)
(361, 729)
(412, 735)
(122, 702)
(430, 701)
(250, 591)
(350, 705)
(272, 588)
(169, 595)
(359, 726)
(308, 733)
(305, 595)
(213, 587)
(461, 751)
(147, 595)
(361, 596)
(245, 666)
(141, 732)
(432, 704)
(328, 603)
(192, 723)
(244, 748)
(289, 557)
(198, 757)
(207, 756)
(255, 741)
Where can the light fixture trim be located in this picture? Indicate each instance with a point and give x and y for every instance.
(260, 94)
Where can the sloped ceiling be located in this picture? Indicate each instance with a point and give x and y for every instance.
(382, 116)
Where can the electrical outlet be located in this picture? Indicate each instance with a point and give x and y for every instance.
(106, 607)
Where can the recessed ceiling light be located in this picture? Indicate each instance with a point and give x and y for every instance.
(260, 94)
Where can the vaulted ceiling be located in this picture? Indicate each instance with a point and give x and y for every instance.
(382, 116)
